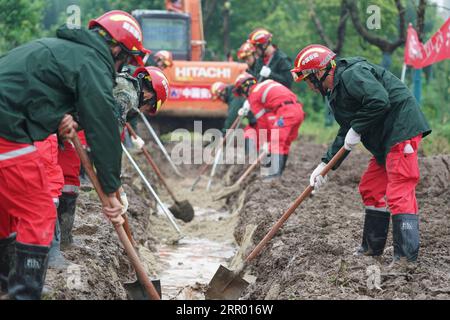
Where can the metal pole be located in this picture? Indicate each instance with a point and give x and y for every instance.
(161, 146)
(161, 205)
(403, 73)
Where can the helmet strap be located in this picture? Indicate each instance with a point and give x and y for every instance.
(318, 83)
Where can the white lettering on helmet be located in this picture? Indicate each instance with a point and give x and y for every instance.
(136, 33)
(202, 72)
(310, 57)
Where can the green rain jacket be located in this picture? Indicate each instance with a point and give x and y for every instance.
(45, 79)
(376, 104)
(280, 66)
(234, 104)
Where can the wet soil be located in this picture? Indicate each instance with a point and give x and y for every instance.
(311, 257)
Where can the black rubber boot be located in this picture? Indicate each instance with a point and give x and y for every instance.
(405, 231)
(7, 250)
(55, 258)
(66, 216)
(376, 228)
(277, 165)
(27, 275)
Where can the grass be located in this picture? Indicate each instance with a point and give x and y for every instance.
(438, 142)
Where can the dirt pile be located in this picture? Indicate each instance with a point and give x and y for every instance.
(312, 255)
(99, 264)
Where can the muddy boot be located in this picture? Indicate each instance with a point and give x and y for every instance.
(277, 165)
(27, 276)
(7, 250)
(66, 217)
(376, 227)
(405, 231)
(55, 258)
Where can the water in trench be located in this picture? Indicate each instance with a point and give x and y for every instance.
(191, 263)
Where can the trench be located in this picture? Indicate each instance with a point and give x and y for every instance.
(186, 266)
(192, 262)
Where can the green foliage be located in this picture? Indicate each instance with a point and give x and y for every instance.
(292, 28)
(20, 22)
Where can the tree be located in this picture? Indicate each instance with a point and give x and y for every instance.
(20, 22)
(384, 44)
(340, 31)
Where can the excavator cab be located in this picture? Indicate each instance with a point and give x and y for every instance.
(165, 30)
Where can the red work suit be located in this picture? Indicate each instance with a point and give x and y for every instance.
(276, 110)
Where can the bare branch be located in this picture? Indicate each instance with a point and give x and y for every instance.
(384, 44)
(336, 47)
(319, 27)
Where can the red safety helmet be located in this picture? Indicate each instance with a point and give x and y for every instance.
(312, 59)
(155, 79)
(246, 50)
(243, 83)
(166, 57)
(125, 30)
(218, 89)
(260, 37)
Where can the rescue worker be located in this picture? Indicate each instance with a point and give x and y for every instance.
(224, 92)
(147, 94)
(41, 83)
(374, 107)
(48, 150)
(247, 53)
(163, 59)
(272, 62)
(276, 110)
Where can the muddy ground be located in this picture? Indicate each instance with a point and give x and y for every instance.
(310, 258)
(312, 255)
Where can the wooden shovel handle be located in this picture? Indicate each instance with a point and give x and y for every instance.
(152, 164)
(251, 168)
(205, 166)
(131, 253)
(297, 202)
(126, 224)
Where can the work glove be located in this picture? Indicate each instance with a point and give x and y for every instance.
(245, 109)
(351, 139)
(124, 200)
(265, 72)
(316, 180)
(137, 142)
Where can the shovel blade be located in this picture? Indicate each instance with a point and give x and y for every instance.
(226, 192)
(137, 292)
(183, 210)
(225, 285)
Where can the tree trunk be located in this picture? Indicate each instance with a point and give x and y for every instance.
(226, 28)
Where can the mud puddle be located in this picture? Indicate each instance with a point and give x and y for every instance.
(189, 265)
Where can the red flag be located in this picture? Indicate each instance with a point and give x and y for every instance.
(414, 51)
(436, 49)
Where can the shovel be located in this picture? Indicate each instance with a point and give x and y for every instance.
(237, 185)
(235, 124)
(181, 209)
(229, 285)
(143, 279)
(134, 289)
(161, 146)
(166, 212)
(205, 166)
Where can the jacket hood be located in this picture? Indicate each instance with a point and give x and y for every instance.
(89, 39)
